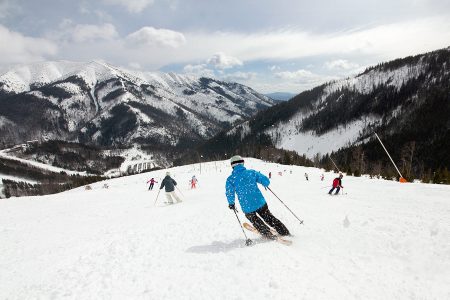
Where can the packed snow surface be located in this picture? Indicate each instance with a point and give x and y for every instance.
(309, 143)
(379, 240)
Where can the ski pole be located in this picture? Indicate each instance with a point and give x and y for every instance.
(157, 197)
(180, 192)
(248, 241)
(301, 221)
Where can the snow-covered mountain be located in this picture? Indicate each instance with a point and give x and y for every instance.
(101, 104)
(379, 240)
(406, 101)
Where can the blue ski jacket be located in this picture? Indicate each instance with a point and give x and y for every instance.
(243, 183)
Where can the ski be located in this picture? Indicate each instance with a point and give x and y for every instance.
(278, 238)
(169, 204)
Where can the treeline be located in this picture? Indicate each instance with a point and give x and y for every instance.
(73, 156)
(224, 145)
(18, 169)
(13, 188)
(49, 182)
(412, 159)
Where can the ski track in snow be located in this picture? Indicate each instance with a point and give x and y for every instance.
(382, 240)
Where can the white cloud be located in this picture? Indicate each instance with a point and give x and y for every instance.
(296, 75)
(17, 48)
(374, 44)
(80, 33)
(274, 68)
(240, 76)
(302, 79)
(388, 41)
(154, 48)
(149, 36)
(199, 70)
(222, 61)
(133, 6)
(8, 9)
(87, 32)
(135, 65)
(341, 64)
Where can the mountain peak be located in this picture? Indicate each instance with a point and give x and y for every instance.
(95, 102)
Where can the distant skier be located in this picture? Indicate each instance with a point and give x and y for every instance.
(194, 182)
(322, 177)
(243, 182)
(306, 176)
(337, 184)
(169, 183)
(270, 175)
(152, 183)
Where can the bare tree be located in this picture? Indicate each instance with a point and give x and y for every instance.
(407, 156)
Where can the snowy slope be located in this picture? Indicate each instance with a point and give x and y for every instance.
(20, 78)
(310, 143)
(381, 240)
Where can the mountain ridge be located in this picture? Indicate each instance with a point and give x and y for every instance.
(405, 100)
(97, 103)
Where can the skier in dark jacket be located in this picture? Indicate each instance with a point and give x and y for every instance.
(243, 182)
(169, 183)
(337, 184)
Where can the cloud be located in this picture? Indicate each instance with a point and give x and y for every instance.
(81, 33)
(222, 61)
(375, 44)
(149, 36)
(87, 32)
(386, 41)
(8, 9)
(296, 75)
(199, 70)
(156, 48)
(341, 64)
(240, 76)
(135, 65)
(133, 6)
(303, 79)
(17, 48)
(274, 68)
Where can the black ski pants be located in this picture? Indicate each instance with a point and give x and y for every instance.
(337, 190)
(265, 214)
(151, 186)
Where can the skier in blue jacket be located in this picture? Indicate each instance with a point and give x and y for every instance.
(243, 182)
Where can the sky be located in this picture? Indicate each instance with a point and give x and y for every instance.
(271, 46)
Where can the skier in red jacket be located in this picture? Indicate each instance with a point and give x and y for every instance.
(152, 183)
(337, 184)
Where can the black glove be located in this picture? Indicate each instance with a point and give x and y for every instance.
(231, 206)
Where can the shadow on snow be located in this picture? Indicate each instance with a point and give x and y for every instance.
(218, 246)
